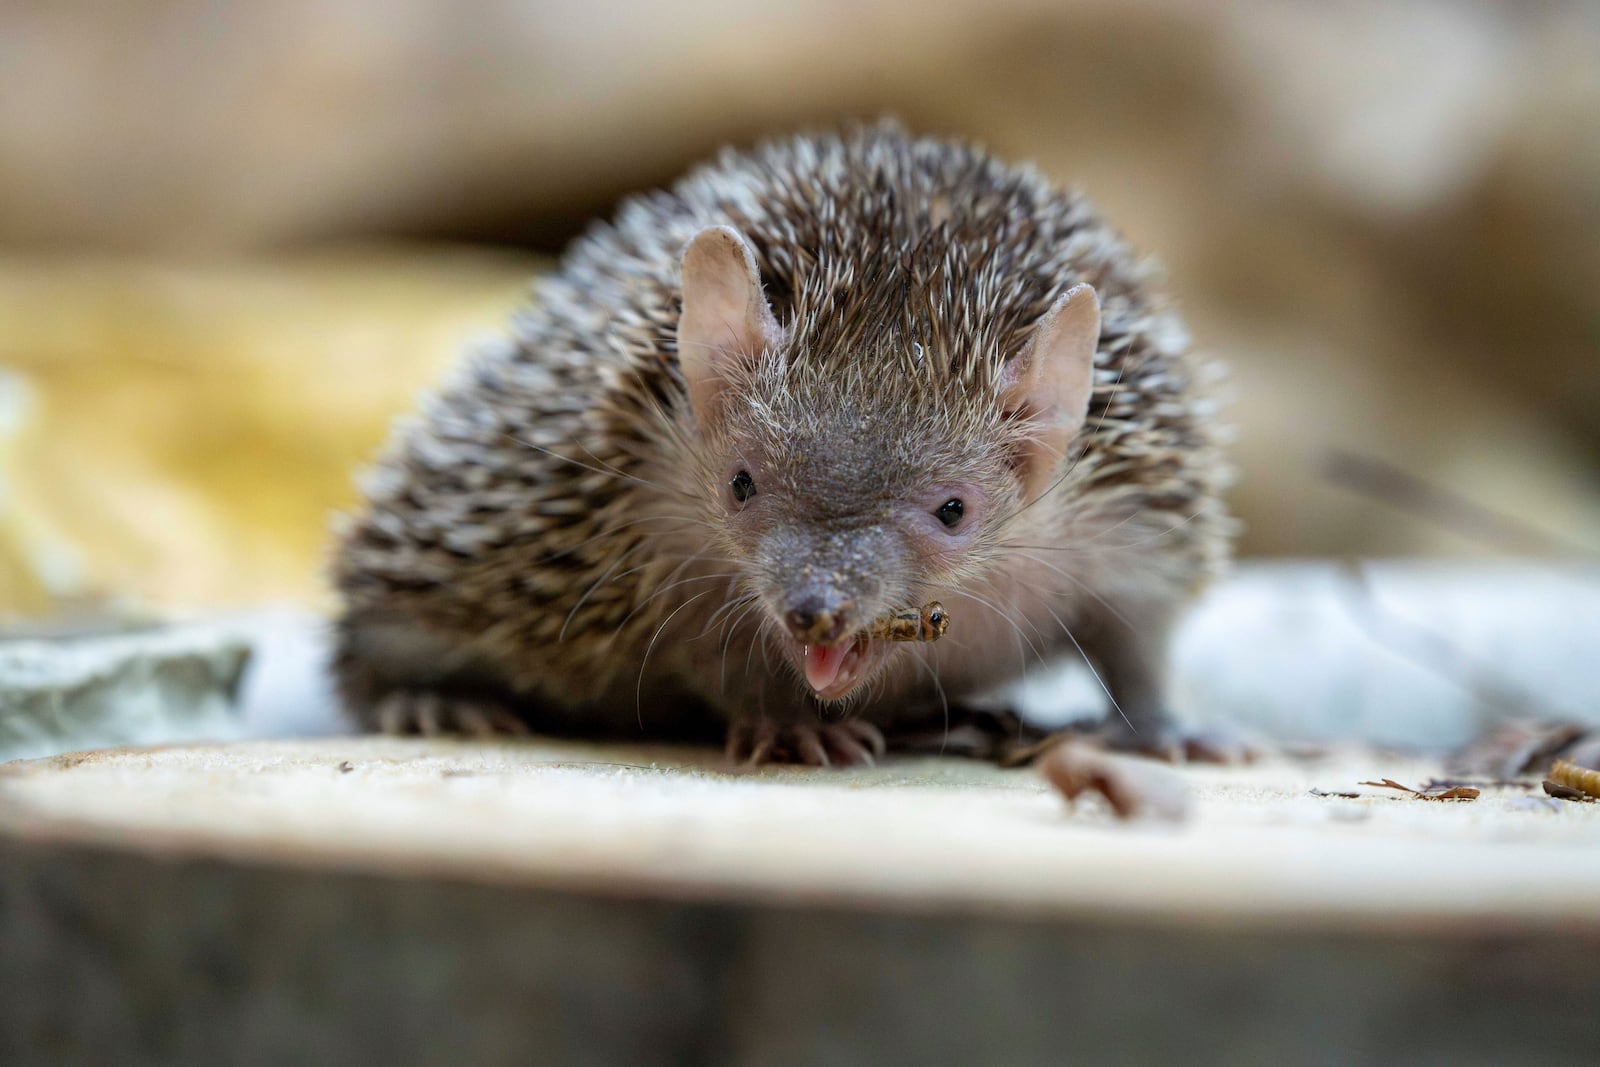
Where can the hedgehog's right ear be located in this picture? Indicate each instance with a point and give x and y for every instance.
(725, 319)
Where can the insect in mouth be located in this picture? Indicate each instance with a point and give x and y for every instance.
(927, 623)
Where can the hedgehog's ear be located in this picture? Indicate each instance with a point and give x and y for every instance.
(1049, 383)
(725, 319)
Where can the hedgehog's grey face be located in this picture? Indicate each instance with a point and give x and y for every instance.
(840, 510)
(846, 490)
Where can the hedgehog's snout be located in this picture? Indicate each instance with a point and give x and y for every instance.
(824, 587)
(819, 619)
(824, 618)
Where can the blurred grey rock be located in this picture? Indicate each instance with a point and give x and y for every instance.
(88, 689)
(1402, 653)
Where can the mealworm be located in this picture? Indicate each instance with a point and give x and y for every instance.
(927, 623)
(1569, 774)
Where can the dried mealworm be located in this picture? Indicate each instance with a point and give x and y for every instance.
(1569, 774)
(927, 623)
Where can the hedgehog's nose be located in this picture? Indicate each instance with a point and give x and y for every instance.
(814, 621)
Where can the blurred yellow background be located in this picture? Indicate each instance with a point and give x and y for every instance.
(176, 435)
(235, 240)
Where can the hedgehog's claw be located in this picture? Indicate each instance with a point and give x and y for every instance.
(433, 714)
(758, 741)
(868, 735)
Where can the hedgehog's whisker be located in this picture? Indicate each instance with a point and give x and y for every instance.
(719, 576)
(598, 582)
(1038, 650)
(608, 575)
(919, 656)
(1080, 583)
(638, 688)
(1044, 645)
(747, 603)
(1022, 638)
(673, 581)
(1159, 534)
(760, 638)
(1076, 543)
(610, 530)
(1087, 662)
(733, 628)
(1077, 547)
(1129, 517)
(721, 614)
(766, 656)
(606, 469)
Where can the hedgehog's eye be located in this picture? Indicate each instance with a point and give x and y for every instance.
(950, 511)
(744, 486)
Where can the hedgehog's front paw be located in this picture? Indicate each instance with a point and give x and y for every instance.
(422, 711)
(759, 740)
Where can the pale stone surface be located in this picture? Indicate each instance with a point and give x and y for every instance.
(1259, 850)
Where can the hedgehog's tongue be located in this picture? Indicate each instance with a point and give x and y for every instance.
(824, 662)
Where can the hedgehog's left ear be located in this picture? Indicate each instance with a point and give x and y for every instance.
(725, 319)
(1049, 383)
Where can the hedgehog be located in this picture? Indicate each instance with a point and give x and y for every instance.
(809, 384)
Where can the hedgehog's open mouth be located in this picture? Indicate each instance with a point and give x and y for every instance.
(833, 671)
